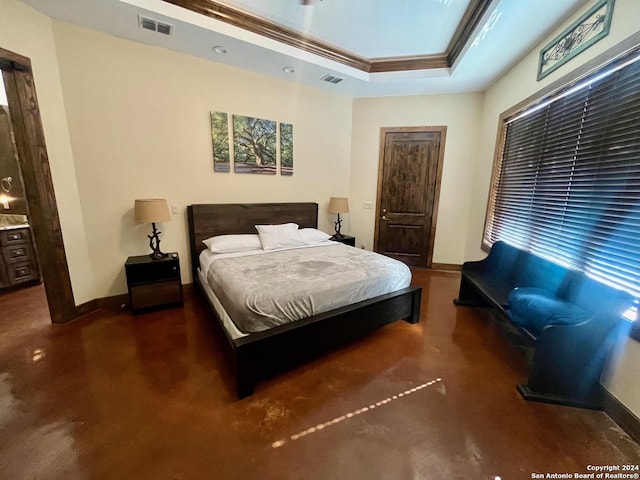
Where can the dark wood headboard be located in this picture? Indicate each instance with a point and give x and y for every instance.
(209, 220)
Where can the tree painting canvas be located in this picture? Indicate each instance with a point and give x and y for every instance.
(286, 149)
(254, 144)
(220, 139)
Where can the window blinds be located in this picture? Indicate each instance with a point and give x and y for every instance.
(567, 185)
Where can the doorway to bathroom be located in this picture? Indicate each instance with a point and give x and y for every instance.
(44, 232)
(19, 266)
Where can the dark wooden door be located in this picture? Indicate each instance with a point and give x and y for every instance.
(408, 188)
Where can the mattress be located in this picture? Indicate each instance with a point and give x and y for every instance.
(224, 317)
(263, 289)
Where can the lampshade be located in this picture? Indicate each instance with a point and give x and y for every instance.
(152, 210)
(339, 205)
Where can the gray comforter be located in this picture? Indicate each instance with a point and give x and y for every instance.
(270, 289)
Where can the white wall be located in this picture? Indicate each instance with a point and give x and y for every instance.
(623, 383)
(29, 33)
(460, 114)
(515, 86)
(139, 119)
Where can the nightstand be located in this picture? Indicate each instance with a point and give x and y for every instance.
(152, 283)
(346, 239)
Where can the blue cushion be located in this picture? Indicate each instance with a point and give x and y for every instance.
(598, 297)
(534, 308)
(536, 272)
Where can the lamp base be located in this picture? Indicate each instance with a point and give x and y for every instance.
(337, 236)
(337, 226)
(154, 243)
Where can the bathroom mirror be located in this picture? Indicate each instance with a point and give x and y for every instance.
(12, 195)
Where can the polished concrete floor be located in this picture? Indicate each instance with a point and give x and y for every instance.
(112, 396)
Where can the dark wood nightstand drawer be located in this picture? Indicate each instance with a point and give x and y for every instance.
(154, 270)
(13, 237)
(156, 294)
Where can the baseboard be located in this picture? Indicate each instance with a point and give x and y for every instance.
(620, 414)
(451, 267)
(114, 303)
(86, 308)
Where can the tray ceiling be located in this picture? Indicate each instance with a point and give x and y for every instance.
(377, 48)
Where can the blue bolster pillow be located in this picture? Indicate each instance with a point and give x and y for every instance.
(534, 308)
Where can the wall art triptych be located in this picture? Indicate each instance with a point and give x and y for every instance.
(254, 145)
(220, 139)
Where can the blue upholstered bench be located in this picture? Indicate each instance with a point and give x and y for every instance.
(567, 317)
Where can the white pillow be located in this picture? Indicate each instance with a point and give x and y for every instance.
(313, 235)
(279, 236)
(233, 243)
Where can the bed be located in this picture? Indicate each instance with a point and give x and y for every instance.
(257, 355)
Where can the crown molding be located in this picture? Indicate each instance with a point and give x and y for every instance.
(398, 64)
(470, 20)
(253, 23)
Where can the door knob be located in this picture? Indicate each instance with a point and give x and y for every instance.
(384, 210)
(384, 217)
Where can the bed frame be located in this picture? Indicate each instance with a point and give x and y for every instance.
(258, 355)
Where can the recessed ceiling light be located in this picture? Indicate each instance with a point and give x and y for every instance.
(220, 50)
(289, 70)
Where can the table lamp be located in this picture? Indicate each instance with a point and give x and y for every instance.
(153, 210)
(338, 205)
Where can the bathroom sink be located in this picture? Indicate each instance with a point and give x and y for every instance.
(10, 221)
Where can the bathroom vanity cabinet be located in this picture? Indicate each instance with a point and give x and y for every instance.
(18, 262)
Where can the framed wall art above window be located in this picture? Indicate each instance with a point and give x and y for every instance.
(584, 32)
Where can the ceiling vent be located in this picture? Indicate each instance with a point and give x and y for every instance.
(154, 25)
(331, 79)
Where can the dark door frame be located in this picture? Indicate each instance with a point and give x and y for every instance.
(41, 200)
(442, 130)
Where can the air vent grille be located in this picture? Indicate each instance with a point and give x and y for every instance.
(164, 28)
(154, 25)
(331, 79)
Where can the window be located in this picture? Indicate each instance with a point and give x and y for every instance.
(566, 184)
